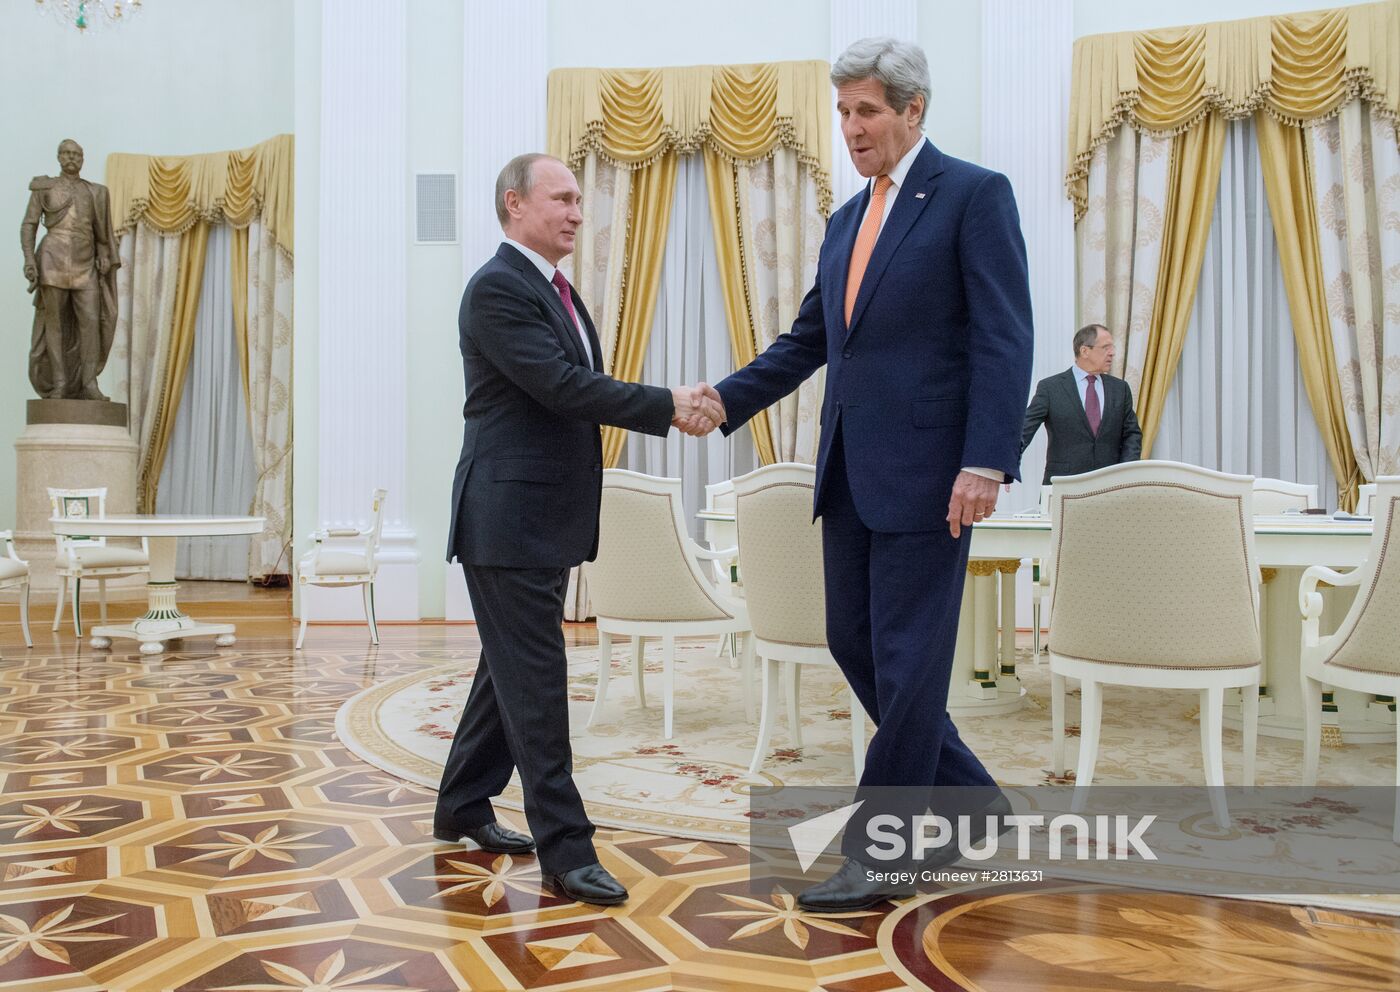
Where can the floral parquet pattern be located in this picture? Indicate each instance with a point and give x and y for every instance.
(190, 822)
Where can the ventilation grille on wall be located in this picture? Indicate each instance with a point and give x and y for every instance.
(436, 208)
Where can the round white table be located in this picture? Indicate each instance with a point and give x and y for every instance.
(163, 620)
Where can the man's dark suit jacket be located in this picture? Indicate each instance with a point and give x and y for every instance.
(1072, 447)
(530, 476)
(923, 381)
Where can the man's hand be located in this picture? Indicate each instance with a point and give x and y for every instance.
(974, 498)
(698, 409)
(31, 272)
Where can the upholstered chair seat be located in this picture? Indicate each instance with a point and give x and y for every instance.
(14, 574)
(342, 565)
(79, 558)
(1364, 653)
(647, 581)
(1154, 583)
(780, 556)
(1274, 496)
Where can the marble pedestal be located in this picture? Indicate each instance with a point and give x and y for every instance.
(68, 455)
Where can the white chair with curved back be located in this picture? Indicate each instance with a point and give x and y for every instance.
(720, 496)
(1040, 583)
(1364, 496)
(1275, 496)
(648, 582)
(340, 565)
(78, 558)
(781, 554)
(1363, 654)
(1154, 583)
(14, 574)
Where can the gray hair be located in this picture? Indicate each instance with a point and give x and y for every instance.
(1086, 337)
(899, 66)
(519, 175)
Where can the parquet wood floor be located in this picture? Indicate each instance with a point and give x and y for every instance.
(190, 822)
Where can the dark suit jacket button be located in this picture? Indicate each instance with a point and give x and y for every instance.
(597, 468)
(846, 354)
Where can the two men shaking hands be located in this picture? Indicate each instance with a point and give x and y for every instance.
(699, 409)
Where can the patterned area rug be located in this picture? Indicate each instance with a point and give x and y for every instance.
(695, 785)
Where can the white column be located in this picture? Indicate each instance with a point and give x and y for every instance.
(363, 292)
(852, 20)
(505, 53)
(1026, 52)
(486, 62)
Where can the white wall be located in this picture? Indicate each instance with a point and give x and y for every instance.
(176, 79)
(437, 118)
(627, 33)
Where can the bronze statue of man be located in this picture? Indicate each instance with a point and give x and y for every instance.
(73, 276)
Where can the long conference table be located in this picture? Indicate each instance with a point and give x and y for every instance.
(985, 680)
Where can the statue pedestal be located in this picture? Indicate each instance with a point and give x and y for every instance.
(63, 448)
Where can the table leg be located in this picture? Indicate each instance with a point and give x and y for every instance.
(163, 619)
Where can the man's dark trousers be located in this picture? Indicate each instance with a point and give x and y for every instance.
(910, 585)
(520, 698)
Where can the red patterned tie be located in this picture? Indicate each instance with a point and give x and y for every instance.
(1091, 405)
(562, 284)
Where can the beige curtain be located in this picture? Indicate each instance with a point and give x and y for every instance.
(171, 193)
(781, 228)
(1356, 185)
(1119, 244)
(1293, 68)
(596, 266)
(182, 196)
(1283, 156)
(595, 269)
(1192, 181)
(176, 362)
(653, 188)
(1182, 84)
(146, 284)
(721, 183)
(267, 303)
(641, 120)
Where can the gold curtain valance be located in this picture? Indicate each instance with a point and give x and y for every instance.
(172, 193)
(632, 117)
(1297, 68)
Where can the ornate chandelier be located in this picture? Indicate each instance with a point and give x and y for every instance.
(88, 14)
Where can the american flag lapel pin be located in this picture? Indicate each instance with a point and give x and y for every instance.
(918, 196)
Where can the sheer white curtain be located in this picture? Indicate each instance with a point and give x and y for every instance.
(210, 468)
(690, 342)
(1237, 403)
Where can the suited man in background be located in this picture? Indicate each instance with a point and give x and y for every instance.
(921, 313)
(524, 512)
(1087, 413)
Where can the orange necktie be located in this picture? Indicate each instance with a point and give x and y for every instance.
(865, 242)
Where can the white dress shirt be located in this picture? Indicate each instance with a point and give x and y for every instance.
(1081, 379)
(547, 270)
(897, 176)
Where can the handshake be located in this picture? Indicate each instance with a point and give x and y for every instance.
(698, 409)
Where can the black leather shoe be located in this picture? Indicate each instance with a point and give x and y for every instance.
(490, 837)
(592, 884)
(851, 887)
(977, 832)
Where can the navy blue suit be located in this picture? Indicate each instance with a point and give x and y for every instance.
(929, 378)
